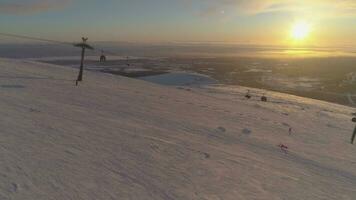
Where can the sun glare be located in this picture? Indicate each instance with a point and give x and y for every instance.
(300, 30)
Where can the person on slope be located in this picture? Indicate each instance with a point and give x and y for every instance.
(283, 147)
(248, 96)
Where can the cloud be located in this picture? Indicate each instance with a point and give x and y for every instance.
(31, 6)
(326, 8)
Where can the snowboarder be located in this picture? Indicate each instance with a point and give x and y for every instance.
(290, 130)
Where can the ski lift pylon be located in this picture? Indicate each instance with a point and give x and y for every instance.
(84, 46)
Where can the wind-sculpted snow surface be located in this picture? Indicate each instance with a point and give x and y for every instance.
(119, 138)
(180, 79)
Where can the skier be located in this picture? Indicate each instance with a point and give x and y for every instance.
(290, 130)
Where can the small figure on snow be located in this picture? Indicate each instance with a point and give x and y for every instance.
(283, 147)
(290, 130)
(264, 98)
(248, 96)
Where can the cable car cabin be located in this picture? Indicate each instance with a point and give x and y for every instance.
(102, 58)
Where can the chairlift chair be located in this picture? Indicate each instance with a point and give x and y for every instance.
(102, 57)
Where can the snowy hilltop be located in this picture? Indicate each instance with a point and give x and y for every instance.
(119, 138)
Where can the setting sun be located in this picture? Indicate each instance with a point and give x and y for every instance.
(300, 30)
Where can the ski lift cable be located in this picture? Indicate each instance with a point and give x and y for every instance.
(54, 41)
(34, 38)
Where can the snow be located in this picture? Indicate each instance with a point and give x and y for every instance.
(120, 138)
(180, 79)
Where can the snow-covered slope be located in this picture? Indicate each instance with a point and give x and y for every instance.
(119, 138)
(180, 79)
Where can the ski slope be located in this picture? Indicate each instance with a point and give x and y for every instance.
(119, 138)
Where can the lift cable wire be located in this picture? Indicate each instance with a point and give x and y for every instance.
(53, 41)
(35, 38)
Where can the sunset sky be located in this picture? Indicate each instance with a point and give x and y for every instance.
(261, 22)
